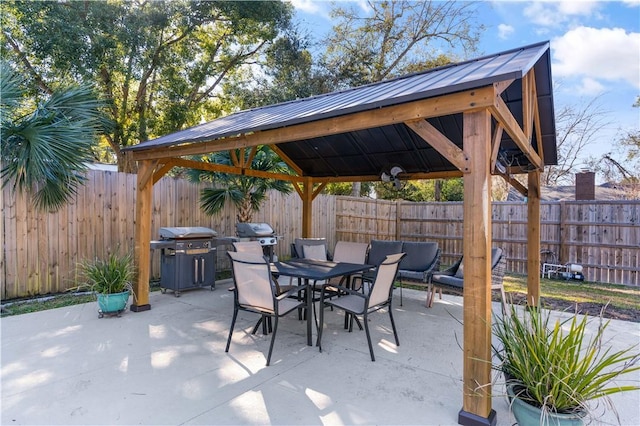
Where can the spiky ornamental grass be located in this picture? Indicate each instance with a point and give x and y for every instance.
(111, 275)
(561, 368)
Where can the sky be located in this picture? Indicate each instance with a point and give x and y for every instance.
(595, 52)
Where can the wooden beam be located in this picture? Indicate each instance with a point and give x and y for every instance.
(455, 103)
(502, 114)
(495, 147)
(286, 159)
(299, 190)
(234, 158)
(405, 176)
(252, 155)
(146, 175)
(223, 168)
(307, 204)
(318, 189)
(501, 86)
(476, 407)
(513, 182)
(157, 175)
(142, 250)
(533, 239)
(441, 143)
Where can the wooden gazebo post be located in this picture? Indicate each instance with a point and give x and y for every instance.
(144, 196)
(533, 239)
(476, 402)
(307, 206)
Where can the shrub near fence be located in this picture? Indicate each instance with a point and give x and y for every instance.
(41, 251)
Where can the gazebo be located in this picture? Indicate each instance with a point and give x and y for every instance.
(488, 116)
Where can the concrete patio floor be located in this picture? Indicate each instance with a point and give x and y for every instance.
(168, 366)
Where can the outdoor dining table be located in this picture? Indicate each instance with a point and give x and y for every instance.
(316, 270)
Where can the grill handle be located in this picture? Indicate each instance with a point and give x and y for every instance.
(195, 270)
(202, 270)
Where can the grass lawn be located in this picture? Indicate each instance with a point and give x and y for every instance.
(624, 301)
(618, 296)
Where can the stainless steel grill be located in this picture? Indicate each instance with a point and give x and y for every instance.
(188, 258)
(260, 232)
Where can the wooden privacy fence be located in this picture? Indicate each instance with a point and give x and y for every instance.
(41, 251)
(602, 236)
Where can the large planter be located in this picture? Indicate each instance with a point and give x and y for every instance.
(113, 303)
(529, 415)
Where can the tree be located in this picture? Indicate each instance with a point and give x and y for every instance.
(46, 141)
(395, 38)
(576, 128)
(622, 164)
(159, 64)
(246, 192)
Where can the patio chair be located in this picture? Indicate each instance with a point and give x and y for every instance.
(255, 291)
(452, 279)
(297, 247)
(422, 259)
(348, 252)
(356, 303)
(252, 247)
(378, 251)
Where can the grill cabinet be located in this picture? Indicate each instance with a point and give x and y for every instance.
(188, 258)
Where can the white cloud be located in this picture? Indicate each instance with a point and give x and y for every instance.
(504, 31)
(590, 87)
(554, 13)
(605, 54)
(307, 6)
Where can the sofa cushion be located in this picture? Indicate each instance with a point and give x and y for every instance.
(405, 274)
(447, 280)
(419, 255)
(380, 249)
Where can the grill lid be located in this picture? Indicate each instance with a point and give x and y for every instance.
(244, 229)
(182, 232)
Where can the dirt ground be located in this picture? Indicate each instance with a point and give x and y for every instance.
(584, 308)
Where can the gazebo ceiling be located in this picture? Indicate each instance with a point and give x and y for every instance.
(368, 148)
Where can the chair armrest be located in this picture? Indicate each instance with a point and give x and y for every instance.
(292, 292)
(341, 289)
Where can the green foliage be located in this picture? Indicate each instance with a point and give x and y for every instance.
(560, 367)
(245, 192)
(346, 188)
(421, 190)
(111, 275)
(47, 143)
(161, 64)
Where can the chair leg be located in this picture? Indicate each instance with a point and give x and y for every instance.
(273, 339)
(366, 329)
(320, 327)
(393, 326)
(233, 323)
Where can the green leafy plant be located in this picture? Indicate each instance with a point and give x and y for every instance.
(111, 275)
(559, 367)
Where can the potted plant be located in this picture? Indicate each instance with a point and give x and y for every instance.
(110, 279)
(555, 371)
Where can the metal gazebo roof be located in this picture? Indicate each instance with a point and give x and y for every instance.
(367, 151)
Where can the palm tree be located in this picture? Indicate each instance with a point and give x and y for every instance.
(246, 192)
(46, 143)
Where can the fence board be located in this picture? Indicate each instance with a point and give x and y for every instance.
(41, 251)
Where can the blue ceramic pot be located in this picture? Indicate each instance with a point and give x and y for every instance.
(113, 303)
(529, 415)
